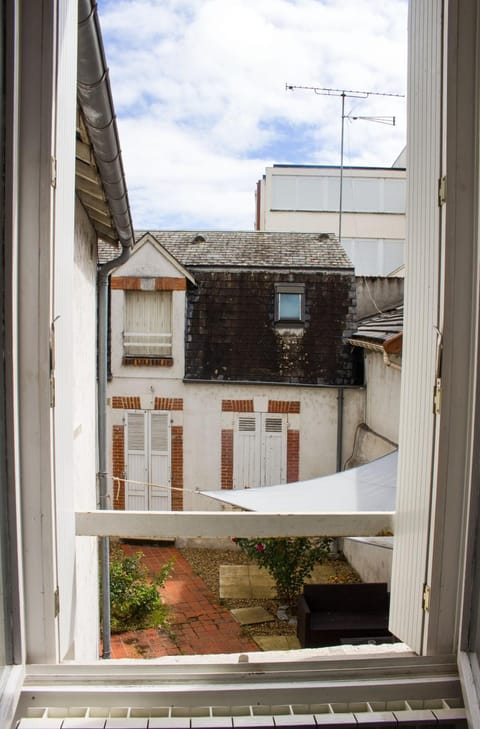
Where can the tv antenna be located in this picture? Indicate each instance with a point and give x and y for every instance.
(348, 94)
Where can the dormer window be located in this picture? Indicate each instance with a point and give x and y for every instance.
(289, 304)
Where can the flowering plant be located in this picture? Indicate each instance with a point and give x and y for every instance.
(289, 560)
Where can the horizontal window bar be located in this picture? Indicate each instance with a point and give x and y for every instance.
(170, 524)
(146, 334)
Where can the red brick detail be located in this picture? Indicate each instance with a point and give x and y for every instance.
(170, 284)
(147, 362)
(293, 455)
(126, 403)
(118, 466)
(168, 403)
(237, 406)
(227, 459)
(177, 467)
(161, 283)
(283, 406)
(125, 283)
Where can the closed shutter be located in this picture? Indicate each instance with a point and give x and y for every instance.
(136, 493)
(260, 450)
(246, 451)
(148, 461)
(159, 461)
(148, 323)
(274, 452)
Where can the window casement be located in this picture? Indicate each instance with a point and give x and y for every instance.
(290, 304)
(147, 324)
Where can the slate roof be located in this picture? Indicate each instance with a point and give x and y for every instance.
(107, 252)
(380, 327)
(252, 249)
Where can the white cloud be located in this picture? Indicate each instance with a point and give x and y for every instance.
(199, 89)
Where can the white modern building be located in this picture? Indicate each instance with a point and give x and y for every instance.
(46, 671)
(307, 198)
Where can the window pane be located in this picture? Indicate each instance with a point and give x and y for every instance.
(290, 306)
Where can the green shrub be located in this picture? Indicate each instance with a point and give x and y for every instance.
(290, 560)
(134, 599)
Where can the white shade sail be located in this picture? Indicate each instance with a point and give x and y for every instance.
(369, 488)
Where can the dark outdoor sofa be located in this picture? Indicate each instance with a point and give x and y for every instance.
(335, 614)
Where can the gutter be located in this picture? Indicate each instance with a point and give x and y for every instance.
(381, 348)
(96, 103)
(95, 100)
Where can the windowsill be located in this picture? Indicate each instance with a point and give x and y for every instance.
(147, 361)
(289, 324)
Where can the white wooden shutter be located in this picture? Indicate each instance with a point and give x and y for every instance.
(274, 450)
(136, 494)
(148, 323)
(246, 451)
(408, 619)
(159, 462)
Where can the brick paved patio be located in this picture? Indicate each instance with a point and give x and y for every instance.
(199, 625)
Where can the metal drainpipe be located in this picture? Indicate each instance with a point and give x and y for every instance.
(340, 397)
(102, 280)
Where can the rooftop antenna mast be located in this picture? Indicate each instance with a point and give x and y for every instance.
(348, 94)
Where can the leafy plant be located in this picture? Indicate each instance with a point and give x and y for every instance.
(289, 560)
(134, 599)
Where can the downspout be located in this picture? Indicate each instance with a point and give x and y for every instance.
(102, 292)
(388, 362)
(340, 398)
(95, 101)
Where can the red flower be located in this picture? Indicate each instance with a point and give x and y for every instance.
(260, 547)
(234, 539)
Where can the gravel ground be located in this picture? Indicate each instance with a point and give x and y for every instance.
(206, 564)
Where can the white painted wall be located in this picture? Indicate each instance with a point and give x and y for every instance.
(382, 396)
(371, 557)
(203, 420)
(86, 637)
(354, 225)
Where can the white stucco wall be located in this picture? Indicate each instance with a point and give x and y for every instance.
(383, 396)
(386, 226)
(203, 421)
(86, 639)
(371, 557)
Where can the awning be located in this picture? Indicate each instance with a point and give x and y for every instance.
(369, 488)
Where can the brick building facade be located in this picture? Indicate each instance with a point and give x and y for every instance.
(214, 335)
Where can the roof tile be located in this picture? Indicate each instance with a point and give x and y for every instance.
(255, 249)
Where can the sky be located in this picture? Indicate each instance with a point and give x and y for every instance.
(199, 89)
